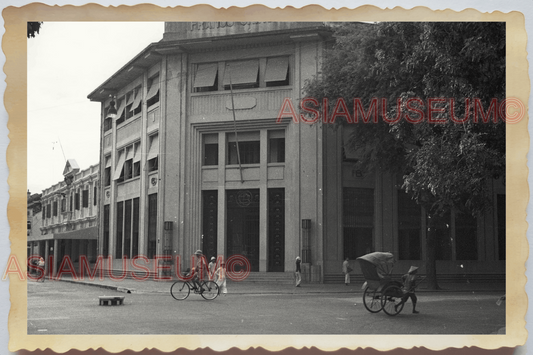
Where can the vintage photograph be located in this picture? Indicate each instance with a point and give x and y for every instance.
(269, 178)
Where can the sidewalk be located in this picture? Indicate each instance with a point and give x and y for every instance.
(163, 286)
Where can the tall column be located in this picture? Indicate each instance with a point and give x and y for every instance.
(263, 201)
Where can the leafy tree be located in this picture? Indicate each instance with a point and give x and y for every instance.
(447, 165)
(33, 27)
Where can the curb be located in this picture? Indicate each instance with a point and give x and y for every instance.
(329, 290)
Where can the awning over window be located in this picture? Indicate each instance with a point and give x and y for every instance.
(137, 100)
(244, 72)
(120, 164)
(129, 153)
(154, 88)
(108, 161)
(205, 75)
(137, 153)
(130, 97)
(276, 69)
(121, 108)
(154, 148)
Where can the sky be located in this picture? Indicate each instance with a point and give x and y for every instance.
(66, 62)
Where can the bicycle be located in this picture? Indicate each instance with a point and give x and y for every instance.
(180, 290)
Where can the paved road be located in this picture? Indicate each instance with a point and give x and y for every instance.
(65, 308)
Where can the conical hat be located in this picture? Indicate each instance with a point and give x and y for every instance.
(412, 269)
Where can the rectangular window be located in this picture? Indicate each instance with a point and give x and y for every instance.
(153, 153)
(248, 152)
(127, 229)
(211, 154)
(409, 228)
(121, 113)
(153, 93)
(108, 124)
(63, 204)
(120, 230)
(152, 225)
(128, 169)
(129, 104)
(71, 204)
(105, 241)
(136, 106)
(206, 78)
(358, 221)
(107, 176)
(348, 152)
(277, 71)
(465, 237)
(95, 195)
(55, 208)
(242, 74)
(44, 211)
(276, 147)
(85, 198)
(500, 207)
(107, 171)
(77, 201)
(119, 169)
(137, 160)
(135, 229)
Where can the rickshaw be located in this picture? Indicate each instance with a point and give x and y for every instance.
(381, 292)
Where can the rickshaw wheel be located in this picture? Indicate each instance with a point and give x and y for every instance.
(390, 297)
(371, 300)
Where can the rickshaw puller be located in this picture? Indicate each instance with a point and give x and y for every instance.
(409, 285)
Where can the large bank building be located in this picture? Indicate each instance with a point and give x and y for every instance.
(194, 157)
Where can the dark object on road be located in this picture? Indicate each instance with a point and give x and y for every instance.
(111, 300)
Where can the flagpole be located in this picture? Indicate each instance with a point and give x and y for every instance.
(235, 126)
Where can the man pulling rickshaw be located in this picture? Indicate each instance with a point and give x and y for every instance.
(381, 292)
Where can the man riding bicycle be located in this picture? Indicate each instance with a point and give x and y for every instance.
(197, 271)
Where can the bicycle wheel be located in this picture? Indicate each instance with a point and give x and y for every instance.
(391, 300)
(371, 300)
(210, 290)
(180, 290)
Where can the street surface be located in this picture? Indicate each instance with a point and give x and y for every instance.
(56, 307)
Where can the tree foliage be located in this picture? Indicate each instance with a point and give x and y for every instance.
(33, 28)
(445, 166)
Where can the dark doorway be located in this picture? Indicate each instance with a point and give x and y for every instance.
(276, 230)
(210, 213)
(243, 225)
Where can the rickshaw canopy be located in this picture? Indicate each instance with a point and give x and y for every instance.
(376, 266)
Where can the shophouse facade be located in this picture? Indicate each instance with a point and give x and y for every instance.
(69, 219)
(34, 221)
(194, 156)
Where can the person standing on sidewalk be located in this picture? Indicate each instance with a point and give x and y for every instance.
(212, 265)
(41, 264)
(298, 272)
(220, 278)
(346, 269)
(409, 285)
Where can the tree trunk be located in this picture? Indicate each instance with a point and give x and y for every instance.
(431, 263)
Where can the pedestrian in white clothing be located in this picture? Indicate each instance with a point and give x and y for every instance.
(346, 269)
(212, 265)
(220, 278)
